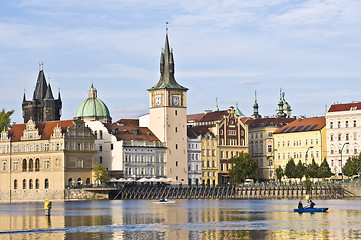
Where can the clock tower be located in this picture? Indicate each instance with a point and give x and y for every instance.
(168, 116)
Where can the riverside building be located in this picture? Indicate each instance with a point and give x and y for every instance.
(227, 136)
(127, 150)
(343, 124)
(41, 159)
(303, 140)
(260, 132)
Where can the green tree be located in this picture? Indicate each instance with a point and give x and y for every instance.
(279, 172)
(299, 170)
(324, 171)
(290, 167)
(352, 166)
(100, 173)
(243, 167)
(5, 119)
(312, 169)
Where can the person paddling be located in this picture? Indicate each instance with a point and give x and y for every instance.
(300, 205)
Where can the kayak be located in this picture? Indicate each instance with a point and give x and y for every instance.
(311, 210)
(165, 202)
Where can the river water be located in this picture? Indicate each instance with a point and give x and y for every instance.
(184, 219)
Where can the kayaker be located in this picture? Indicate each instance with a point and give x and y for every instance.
(312, 204)
(300, 205)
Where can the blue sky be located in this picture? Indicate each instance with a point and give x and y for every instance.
(225, 49)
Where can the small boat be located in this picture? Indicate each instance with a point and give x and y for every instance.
(311, 210)
(164, 201)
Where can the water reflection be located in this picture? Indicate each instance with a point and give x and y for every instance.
(186, 219)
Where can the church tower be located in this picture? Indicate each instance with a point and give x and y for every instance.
(168, 116)
(43, 107)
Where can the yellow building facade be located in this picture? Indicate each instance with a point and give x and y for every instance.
(301, 140)
(41, 159)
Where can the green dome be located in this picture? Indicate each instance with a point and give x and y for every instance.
(92, 107)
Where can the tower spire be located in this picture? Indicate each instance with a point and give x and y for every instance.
(255, 106)
(216, 109)
(167, 79)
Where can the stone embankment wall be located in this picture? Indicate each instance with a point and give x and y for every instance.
(81, 194)
(352, 190)
(52, 195)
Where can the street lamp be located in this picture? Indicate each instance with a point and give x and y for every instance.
(306, 154)
(346, 143)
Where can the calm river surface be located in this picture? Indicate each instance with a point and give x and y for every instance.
(185, 219)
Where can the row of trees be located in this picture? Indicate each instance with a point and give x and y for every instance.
(312, 170)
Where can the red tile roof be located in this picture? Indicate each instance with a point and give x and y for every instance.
(45, 129)
(195, 117)
(194, 132)
(207, 117)
(128, 129)
(268, 122)
(345, 107)
(303, 125)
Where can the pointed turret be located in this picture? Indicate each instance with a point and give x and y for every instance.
(59, 98)
(41, 87)
(255, 107)
(238, 112)
(167, 80)
(49, 94)
(216, 108)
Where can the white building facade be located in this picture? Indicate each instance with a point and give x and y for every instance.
(127, 150)
(194, 156)
(343, 132)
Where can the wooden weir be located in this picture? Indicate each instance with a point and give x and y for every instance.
(228, 192)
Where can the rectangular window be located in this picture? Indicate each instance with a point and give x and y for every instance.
(346, 124)
(111, 146)
(213, 153)
(331, 124)
(176, 146)
(269, 148)
(339, 124)
(354, 123)
(100, 148)
(176, 163)
(46, 164)
(4, 165)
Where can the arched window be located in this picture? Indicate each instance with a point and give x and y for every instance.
(24, 167)
(46, 183)
(70, 182)
(87, 182)
(79, 182)
(31, 164)
(37, 183)
(15, 184)
(24, 184)
(31, 184)
(37, 164)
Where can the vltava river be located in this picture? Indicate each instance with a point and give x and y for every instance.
(185, 219)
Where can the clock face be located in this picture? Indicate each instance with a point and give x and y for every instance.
(158, 100)
(175, 100)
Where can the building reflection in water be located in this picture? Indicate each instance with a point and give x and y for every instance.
(186, 219)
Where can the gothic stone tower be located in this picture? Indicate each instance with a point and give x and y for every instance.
(168, 116)
(43, 107)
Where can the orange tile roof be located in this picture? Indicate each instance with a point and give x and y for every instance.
(45, 129)
(345, 107)
(303, 125)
